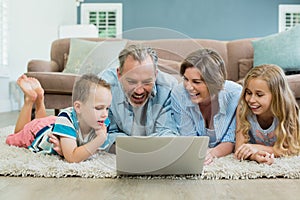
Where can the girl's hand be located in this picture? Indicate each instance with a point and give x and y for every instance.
(245, 151)
(263, 157)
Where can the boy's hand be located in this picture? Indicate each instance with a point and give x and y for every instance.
(102, 132)
(56, 144)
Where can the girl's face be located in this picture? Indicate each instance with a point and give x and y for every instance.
(258, 97)
(195, 85)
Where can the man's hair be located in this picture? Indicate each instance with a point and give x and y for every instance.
(139, 53)
(82, 87)
(211, 66)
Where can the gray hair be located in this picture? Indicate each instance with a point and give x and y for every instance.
(211, 66)
(139, 53)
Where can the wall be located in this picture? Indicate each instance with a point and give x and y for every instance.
(211, 19)
(33, 25)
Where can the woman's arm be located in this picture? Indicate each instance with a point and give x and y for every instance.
(220, 150)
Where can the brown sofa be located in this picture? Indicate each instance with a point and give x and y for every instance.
(237, 54)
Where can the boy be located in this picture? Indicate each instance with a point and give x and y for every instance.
(81, 128)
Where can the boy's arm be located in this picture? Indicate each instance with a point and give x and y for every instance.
(73, 153)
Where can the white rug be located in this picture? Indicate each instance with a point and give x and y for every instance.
(16, 161)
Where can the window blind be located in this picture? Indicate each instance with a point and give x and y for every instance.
(3, 33)
(289, 16)
(106, 17)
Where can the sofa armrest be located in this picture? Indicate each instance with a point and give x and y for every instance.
(42, 66)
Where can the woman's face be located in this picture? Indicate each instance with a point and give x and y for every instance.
(195, 85)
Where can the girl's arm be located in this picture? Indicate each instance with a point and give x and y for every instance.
(73, 153)
(239, 137)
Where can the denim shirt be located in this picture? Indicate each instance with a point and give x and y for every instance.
(189, 119)
(158, 118)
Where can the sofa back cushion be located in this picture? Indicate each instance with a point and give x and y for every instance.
(173, 51)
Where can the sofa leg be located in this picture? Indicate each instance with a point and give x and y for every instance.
(56, 112)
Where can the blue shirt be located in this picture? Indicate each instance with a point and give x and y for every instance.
(189, 119)
(158, 118)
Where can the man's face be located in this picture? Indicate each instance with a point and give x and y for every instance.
(137, 80)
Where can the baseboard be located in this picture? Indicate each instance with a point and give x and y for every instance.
(5, 105)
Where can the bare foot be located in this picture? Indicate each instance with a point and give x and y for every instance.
(36, 86)
(25, 85)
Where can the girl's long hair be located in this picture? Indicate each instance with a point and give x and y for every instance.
(283, 106)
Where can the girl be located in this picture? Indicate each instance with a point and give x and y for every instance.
(267, 117)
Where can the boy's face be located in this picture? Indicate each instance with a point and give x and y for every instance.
(137, 80)
(95, 110)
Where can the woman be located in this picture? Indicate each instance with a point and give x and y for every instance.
(205, 103)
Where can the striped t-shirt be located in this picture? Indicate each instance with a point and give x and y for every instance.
(66, 125)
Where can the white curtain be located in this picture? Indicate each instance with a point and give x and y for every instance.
(3, 33)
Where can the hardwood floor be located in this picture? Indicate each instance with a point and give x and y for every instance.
(81, 188)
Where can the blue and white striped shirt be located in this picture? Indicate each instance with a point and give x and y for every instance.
(66, 125)
(190, 122)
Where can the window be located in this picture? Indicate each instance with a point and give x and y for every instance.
(289, 16)
(107, 17)
(3, 35)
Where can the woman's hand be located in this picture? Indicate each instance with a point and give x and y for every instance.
(245, 151)
(209, 157)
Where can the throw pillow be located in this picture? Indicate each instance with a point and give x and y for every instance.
(92, 57)
(281, 49)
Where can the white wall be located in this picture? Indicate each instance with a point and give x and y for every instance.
(33, 25)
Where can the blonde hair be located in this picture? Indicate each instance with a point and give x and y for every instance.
(82, 87)
(283, 106)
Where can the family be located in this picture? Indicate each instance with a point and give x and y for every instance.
(257, 121)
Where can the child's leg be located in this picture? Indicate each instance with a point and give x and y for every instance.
(30, 97)
(26, 136)
(40, 110)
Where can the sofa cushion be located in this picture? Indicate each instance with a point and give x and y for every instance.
(92, 57)
(281, 49)
(245, 65)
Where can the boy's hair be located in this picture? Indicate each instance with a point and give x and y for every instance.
(211, 66)
(283, 106)
(139, 53)
(82, 87)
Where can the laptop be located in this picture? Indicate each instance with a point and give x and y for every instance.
(160, 155)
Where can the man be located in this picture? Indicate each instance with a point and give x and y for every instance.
(141, 96)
